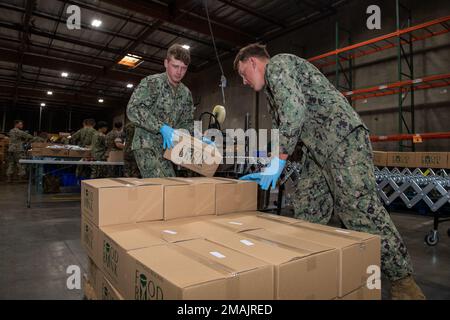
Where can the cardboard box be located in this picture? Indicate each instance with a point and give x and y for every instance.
(363, 293)
(302, 269)
(193, 154)
(91, 281)
(252, 220)
(90, 239)
(448, 160)
(402, 159)
(188, 197)
(357, 250)
(39, 145)
(115, 242)
(50, 152)
(437, 160)
(197, 270)
(126, 200)
(380, 158)
(236, 196)
(115, 156)
(94, 274)
(106, 291)
(80, 153)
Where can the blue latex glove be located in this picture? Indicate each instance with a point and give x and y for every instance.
(167, 135)
(208, 141)
(269, 176)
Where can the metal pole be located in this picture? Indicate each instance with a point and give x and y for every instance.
(40, 118)
(4, 121)
(70, 121)
(336, 80)
(30, 176)
(399, 73)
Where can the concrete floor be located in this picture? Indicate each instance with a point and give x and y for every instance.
(37, 245)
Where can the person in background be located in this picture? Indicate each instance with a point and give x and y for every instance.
(83, 138)
(16, 151)
(115, 142)
(130, 167)
(99, 151)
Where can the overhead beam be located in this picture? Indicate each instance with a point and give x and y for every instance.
(69, 66)
(103, 31)
(82, 43)
(190, 22)
(24, 40)
(64, 98)
(141, 22)
(253, 12)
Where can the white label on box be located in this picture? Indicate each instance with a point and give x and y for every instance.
(217, 254)
(342, 231)
(247, 242)
(170, 231)
(236, 223)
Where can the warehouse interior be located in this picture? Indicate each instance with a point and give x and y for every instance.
(55, 73)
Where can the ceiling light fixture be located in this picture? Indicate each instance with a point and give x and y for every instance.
(96, 23)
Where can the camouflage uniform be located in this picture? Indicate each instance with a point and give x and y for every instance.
(130, 166)
(111, 138)
(83, 138)
(16, 151)
(99, 153)
(337, 173)
(154, 103)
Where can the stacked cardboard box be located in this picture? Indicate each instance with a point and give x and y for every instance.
(202, 238)
(435, 160)
(380, 158)
(45, 149)
(4, 143)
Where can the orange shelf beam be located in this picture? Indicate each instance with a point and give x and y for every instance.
(419, 32)
(435, 81)
(416, 138)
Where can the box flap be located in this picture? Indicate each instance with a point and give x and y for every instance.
(249, 220)
(170, 233)
(175, 264)
(165, 181)
(243, 242)
(221, 257)
(131, 237)
(344, 233)
(118, 182)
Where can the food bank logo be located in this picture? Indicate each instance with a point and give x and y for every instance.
(88, 200)
(146, 289)
(110, 257)
(88, 236)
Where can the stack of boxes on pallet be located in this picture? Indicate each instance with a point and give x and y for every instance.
(45, 149)
(434, 160)
(4, 143)
(202, 238)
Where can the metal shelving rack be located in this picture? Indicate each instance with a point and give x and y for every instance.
(404, 87)
(402, 39)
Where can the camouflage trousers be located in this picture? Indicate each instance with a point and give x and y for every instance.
(83, 171)
(151, 164)
(14, 165)
(130, 167)
(98, 172)
(346, 186)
